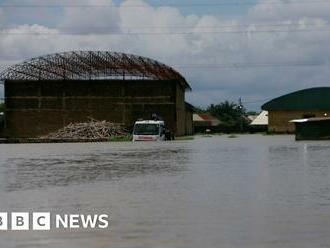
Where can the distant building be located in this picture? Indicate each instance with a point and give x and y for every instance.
(251, 118)
(307, 103)
(261, 119)
(202, 122)
(312, 128)
(259, 123)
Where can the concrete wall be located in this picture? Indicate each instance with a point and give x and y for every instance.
(279, 119)
(35, 108)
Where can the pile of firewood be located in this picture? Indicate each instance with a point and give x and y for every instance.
(93, 129)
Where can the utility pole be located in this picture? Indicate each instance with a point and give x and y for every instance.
(240, 107)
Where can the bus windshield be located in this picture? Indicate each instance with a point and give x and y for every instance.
(146, 129)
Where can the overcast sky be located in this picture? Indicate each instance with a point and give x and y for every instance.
(226, 49)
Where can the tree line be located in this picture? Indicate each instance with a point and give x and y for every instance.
(233, 116)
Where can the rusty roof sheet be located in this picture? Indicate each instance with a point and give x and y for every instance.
(92, 65)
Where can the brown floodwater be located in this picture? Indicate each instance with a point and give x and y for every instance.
(250, 191)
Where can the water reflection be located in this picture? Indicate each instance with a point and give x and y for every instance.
(252, 192)
(35, 172)
(299, 174)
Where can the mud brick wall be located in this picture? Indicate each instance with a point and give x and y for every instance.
(279, 119)
(35, 108)
(189, 122)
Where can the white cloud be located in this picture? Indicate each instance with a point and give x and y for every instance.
(289, 10)
(93, 19)
(274, 34)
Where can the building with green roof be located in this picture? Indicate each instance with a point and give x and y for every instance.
(307, 103)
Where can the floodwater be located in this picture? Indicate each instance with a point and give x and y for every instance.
(250, 191)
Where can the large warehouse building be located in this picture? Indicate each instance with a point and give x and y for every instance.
(46, 93)
(307, 103)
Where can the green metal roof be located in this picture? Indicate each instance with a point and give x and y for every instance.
(307, 99)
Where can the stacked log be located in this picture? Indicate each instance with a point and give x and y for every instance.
(91, 130)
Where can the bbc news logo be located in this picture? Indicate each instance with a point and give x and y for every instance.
(45, 221)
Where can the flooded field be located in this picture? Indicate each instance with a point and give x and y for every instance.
(251, 191)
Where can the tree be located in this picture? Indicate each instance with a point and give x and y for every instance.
(199, 110)
(2, 107)
(230, 114)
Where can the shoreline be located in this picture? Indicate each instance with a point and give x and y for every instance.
(117, 139)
